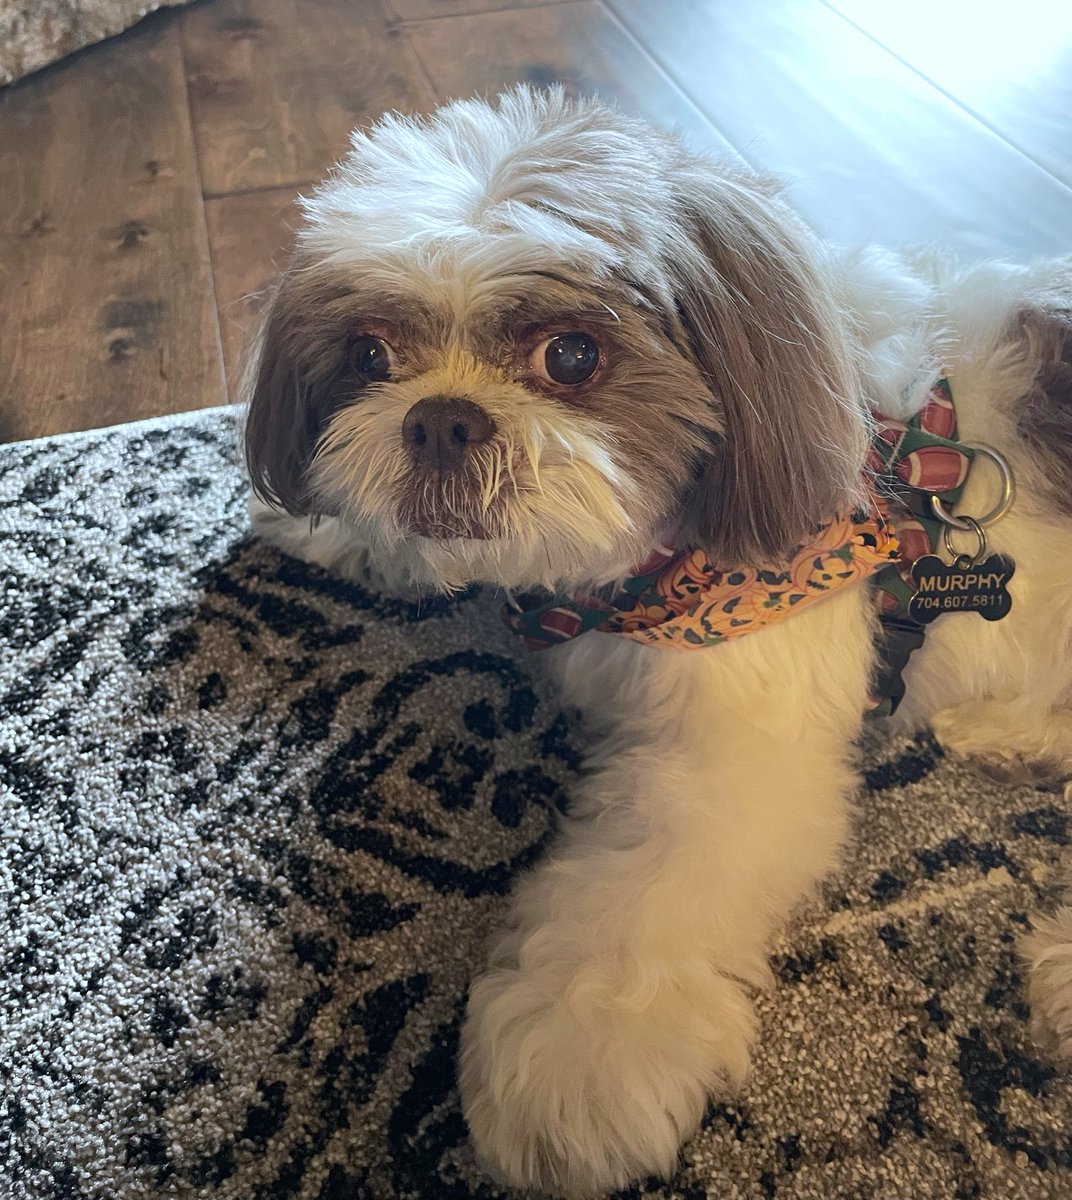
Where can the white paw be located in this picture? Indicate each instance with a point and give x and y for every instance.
(580, 1088)
(1004, 744)
(1048, 951)
(974, 729)
(327, 544)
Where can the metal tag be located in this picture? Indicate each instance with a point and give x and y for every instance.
(962, 586)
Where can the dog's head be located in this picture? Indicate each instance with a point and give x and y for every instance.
(517, 343)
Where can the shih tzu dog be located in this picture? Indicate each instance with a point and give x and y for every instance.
(536, 343)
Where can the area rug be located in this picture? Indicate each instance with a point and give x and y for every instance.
(257, 822)
(34, 33)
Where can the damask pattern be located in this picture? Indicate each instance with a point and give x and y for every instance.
(257, 822)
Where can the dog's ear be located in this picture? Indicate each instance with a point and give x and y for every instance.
(1044, 412)
(290, 387)
(767, 335)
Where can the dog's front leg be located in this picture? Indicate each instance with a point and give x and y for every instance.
(617, 999)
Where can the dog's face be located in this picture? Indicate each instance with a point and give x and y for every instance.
(518, 344)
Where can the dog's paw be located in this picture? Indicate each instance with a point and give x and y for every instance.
(1048, 952)
(1003, 744)
(325, 543)
(574, 1095)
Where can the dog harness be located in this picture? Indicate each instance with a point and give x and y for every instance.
(678, 599)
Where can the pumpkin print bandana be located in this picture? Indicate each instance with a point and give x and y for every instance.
(679, 599)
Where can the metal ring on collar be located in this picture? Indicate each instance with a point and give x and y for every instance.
(1008, 495)
(976, 527)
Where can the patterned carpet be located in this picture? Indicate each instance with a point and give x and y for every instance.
(34, 33)
(257, 821)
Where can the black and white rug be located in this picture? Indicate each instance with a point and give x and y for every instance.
(34, 33)
(256, 822)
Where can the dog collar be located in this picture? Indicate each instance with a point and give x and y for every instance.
(679, 599)
(913, 463)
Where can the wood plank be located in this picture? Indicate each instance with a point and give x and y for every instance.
(418, 10)
(580, 45)
(1009, 65)
(249, 235)
(881, 154)
(108, 310)
(277, 85)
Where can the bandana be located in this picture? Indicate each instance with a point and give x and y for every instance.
(680, 600)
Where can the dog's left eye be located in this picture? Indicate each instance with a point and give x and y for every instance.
(566, 358)
(371, 358)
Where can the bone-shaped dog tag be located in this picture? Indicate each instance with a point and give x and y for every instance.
(961, 586)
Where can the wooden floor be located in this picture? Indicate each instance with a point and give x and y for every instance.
(147, 185)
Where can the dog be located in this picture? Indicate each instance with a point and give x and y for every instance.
(523, 343)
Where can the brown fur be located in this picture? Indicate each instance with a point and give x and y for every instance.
(1044, 414)
(299, 375)
(729, 391)
(651, 400)
(772, 345)
(653, 403)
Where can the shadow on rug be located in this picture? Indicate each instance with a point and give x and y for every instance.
(257, 823)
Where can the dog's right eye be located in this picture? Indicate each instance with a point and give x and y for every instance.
(371, 358)
(569, 359)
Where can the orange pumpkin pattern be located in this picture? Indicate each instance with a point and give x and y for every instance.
(679, 599)
(685, 602)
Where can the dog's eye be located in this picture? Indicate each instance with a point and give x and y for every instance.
(371, 358)
(567, 358)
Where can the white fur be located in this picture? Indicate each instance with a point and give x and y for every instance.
(617, 998)
(1048, 953)
(464, 176)
(551, 479)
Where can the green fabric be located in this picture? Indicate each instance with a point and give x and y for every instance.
(895, 579)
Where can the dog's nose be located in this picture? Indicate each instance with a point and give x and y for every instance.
(438, 431)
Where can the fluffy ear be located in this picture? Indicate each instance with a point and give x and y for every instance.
(292, 384)
(1044, 413)
(772, 345)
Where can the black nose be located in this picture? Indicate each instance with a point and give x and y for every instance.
(438, 431)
